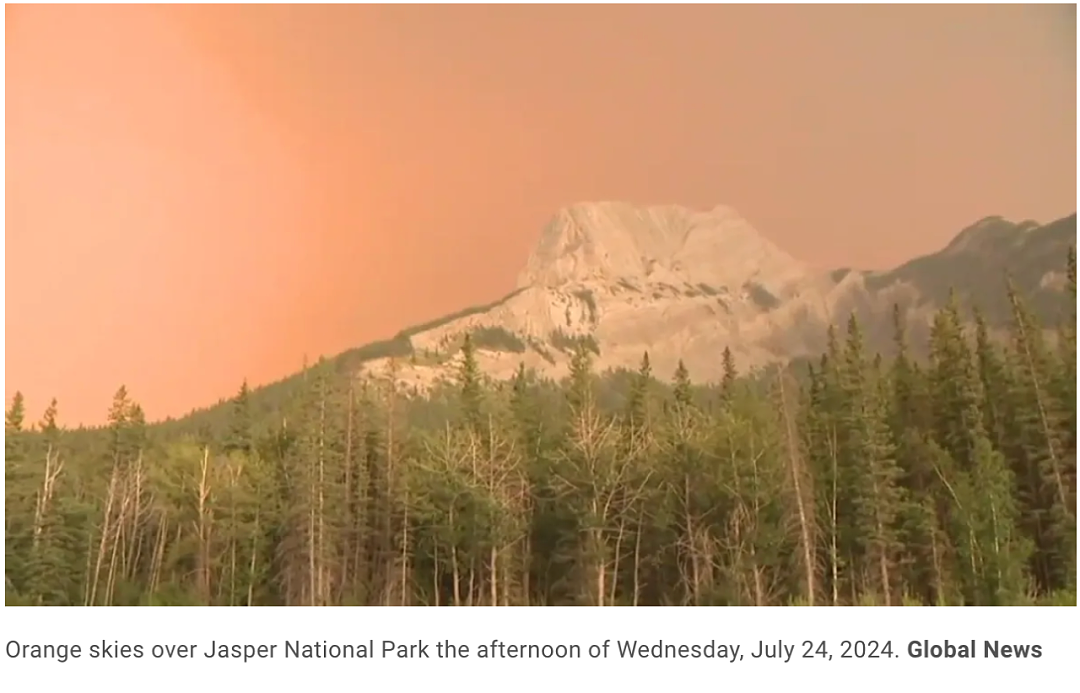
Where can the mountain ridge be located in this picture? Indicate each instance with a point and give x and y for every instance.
(1045, 256)
(685, 284)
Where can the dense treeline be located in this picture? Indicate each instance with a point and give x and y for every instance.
(864, 480)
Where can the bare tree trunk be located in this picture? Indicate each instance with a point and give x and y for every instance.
(939, 587)
(601, 578)
(883, 550)
(637, 558)
(234, 477)
(312, 588)
(494, 557)
(526, 581)
(106, 529)
(695, 577)
(116, 547)
(349, 550)
(436, 589)
(454, 563)
(53, 467)
(134, 549)
(89, 562)
(795, 468)
(390, 487)
(203, 527)
(472, 581)
(159, 552)
(615, 565)
(759, 590)
(254, 560)
(405, 567)
(321, 583)
(834, 552)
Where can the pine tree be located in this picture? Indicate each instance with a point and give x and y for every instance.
(727, 380)
(682, 392)
(637, 402)
(580, 393)
(919, 527)
(18, 495)
(1047, 478)
(825, 430)
(13, 424)
(1065, 379)
(469, 382)
(955, 387)
(240, 438)
(119, 418)
(872, 474)
(956, 394)
(993, 380)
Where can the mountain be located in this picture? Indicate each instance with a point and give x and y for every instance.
(684, 285)
(977, 259)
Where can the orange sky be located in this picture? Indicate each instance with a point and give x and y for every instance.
(199, 194)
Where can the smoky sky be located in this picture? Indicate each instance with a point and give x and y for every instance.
(201, 194)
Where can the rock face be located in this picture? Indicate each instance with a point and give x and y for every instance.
(609, 241)
(684, 284)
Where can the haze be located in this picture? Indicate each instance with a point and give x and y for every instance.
(198, 195)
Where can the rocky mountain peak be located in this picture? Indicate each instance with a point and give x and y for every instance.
(611, 241)
(685, 285)
(990, 231)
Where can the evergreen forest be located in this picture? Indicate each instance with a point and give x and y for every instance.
(941, 473)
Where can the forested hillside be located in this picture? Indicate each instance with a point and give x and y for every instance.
(862, 479)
